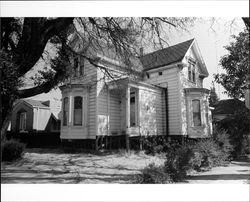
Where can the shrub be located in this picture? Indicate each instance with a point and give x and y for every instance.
(155, 145)
(208, 153)
(11, 150)
(237, 126)
(153, 174)
(222, 138)
(177, 163)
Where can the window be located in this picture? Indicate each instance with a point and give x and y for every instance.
(76, 66)
(191, 71)
(65, 111)
(132, 109)
(196, 113)
(78, 111)
(22, 123)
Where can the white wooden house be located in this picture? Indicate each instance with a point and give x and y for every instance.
(164, 97)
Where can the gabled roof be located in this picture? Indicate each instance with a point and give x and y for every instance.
(229, 106)
(166, 56)
(35, 103)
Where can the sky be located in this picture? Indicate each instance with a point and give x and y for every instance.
(211, 37)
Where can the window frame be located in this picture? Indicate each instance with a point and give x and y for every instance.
(22, 124)
(81, 110)
(191, 71)
(134, 95)
(195, 113)
(65, 122)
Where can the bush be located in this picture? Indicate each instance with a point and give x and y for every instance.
(155, 145)
(178, 163)
(237, 126)
(195, 155)
(153, 174)
(208, 154)
(11, 150)
(222, 139)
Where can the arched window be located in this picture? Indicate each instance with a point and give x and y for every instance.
(78, 111)
(196, 112)
(65, 111)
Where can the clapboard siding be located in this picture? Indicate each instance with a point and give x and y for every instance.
(169, 79)
(151, 110)
(108, 108)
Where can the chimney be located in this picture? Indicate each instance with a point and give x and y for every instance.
(141, 51)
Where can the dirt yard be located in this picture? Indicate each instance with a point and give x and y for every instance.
(53, 166)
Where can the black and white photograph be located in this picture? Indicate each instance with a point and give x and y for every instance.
(128, 100)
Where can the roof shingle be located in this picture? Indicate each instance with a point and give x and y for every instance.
(165, 56)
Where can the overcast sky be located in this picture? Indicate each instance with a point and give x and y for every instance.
(211, 38)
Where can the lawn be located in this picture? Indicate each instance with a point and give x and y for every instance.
(56, 166)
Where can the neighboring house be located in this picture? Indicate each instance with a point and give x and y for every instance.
(33, 116)
(226, 108)
(163, 96)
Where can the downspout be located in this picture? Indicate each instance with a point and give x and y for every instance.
(166, 111)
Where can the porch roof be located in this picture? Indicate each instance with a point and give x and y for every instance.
(124, 82)
(196, 90)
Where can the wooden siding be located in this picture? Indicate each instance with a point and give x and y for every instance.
(152, 112)
(108, 108)
(169, 79)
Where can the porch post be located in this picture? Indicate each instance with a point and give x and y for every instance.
(127, 116)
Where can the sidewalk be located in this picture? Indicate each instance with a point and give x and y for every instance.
(237, 172)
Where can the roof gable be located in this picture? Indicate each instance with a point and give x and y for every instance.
(35, 103)
(166, 56)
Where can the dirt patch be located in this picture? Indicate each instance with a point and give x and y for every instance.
(53, 166)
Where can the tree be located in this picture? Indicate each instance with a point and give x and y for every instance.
(213, 98)
(24, 41)
(236, 65)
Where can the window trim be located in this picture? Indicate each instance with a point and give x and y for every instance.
(199, 113)
(65, 122)
(134, 94)
(82, 109)
(24, 121)
(191, 71)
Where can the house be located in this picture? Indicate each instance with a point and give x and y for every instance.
(163, 96)
(33, 116)
(224, 109)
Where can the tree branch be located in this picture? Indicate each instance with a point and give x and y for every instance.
(35, 35)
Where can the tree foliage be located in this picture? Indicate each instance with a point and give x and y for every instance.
(236, 65)
(213, 98)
